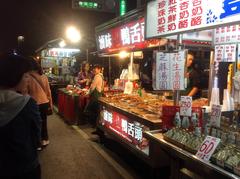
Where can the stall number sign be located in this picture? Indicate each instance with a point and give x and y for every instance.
(207, 148)
(215, 115)
(186, 106)
(170, 70)
(166, 17)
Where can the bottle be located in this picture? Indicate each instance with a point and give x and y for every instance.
(139, 92)
(185, 122)
(177, 120)
(194, 120)
(232, 138)
(207, 129)
(198, 131)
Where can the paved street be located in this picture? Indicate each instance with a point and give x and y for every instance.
(72, 156)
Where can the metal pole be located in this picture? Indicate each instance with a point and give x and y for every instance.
(176, 93)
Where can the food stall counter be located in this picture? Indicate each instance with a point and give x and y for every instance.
(125, 121)
(68, 106)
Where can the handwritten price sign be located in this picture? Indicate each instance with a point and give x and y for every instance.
(186, 106)
(215, 115)
(207, 148)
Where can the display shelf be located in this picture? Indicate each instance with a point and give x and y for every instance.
(188, 160)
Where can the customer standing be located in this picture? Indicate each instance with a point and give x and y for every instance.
(38, 88)
(19, 123)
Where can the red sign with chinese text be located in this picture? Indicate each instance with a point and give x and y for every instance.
(131, 131)
(126, 37)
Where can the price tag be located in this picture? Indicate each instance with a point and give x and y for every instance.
(215, 115)
(186, 106)
(207, 148)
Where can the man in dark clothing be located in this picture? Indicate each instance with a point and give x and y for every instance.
(19, 123)
(193, 77)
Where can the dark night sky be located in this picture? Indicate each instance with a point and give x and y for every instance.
(43, 20)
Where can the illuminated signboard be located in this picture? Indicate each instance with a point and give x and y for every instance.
(122, 7)
(61, 52)
(130, 131)
(167, 17)
(86, 4)
(126, 37)
(131, 37)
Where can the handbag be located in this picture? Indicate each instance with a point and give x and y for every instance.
(49, 110)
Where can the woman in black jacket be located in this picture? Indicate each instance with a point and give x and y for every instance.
(19, 123)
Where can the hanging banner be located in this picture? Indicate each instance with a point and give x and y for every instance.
(170, 70)
(168, 17)
(219, 53)
(163, 76)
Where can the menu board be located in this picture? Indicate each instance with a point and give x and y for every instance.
(169, 17)
(229, 34)
(170, 70)
(230, 53)
(225, 53)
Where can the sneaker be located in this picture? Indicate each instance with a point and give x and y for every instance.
(96, 132)
(45, 143)
(39, 149)
(95, 139)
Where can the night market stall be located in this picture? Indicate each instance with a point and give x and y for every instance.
(202, 145)
(126, 116)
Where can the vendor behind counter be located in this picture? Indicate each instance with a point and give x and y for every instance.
(192, 78)
(84, 76)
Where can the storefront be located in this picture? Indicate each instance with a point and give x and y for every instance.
(59, 65)
(203, 143)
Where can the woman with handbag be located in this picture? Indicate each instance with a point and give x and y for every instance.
(38, 88)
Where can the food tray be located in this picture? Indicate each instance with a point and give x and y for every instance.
(192, 151)
(236, 171)
(173, 141)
